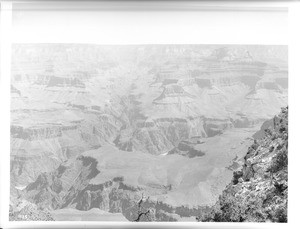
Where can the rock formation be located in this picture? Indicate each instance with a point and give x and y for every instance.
(259, 191)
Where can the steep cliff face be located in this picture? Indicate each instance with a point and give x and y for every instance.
(258, 192)
(42, 148)
(160, 135)
(50, 189)
(71, 186)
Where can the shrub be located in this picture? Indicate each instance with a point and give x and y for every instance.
(281, 215)
(279, 162)
(236, 176)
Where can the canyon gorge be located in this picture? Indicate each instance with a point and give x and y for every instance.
(95, 129)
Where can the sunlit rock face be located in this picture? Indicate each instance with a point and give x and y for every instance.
(172, 121)
(261, 185)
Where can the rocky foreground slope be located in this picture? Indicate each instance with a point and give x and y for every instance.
(258, 192)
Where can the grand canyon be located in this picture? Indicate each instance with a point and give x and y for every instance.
(137, 132)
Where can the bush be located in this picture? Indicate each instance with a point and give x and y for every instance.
(281, 215)
(279, 162)
(236, 176)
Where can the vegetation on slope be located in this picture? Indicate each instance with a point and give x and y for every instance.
(258, 192)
